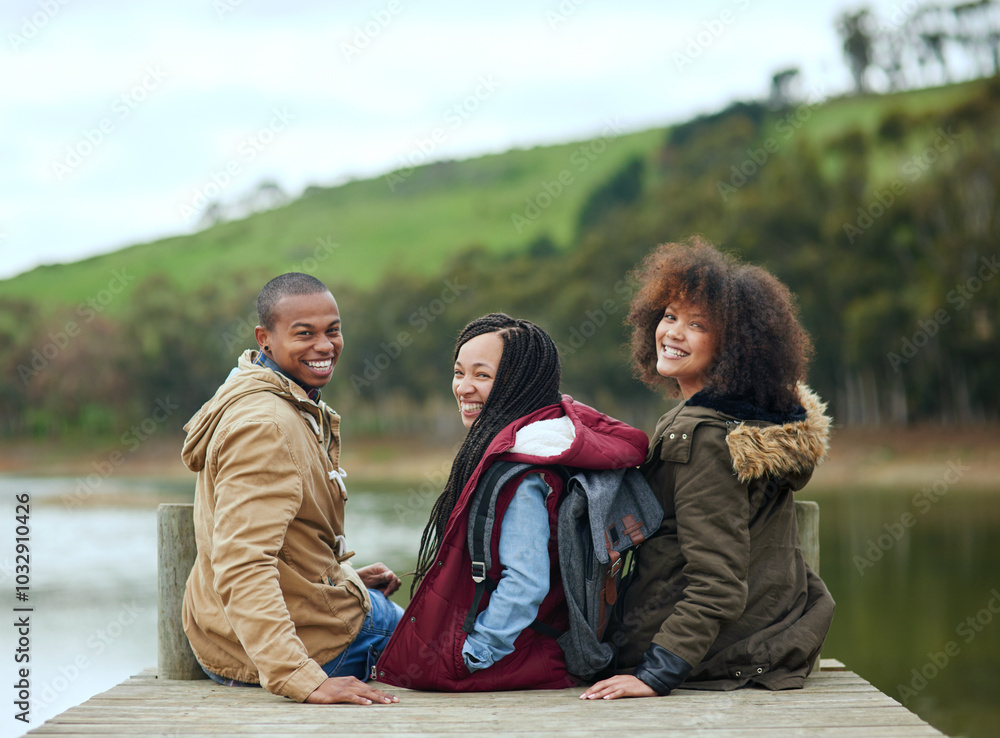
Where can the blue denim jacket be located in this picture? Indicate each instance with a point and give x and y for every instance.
(524, 552)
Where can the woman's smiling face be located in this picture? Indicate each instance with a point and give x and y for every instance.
(685, 347)
(475, 371)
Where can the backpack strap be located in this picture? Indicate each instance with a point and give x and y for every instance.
(481, 521)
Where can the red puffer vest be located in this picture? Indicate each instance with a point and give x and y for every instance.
(425, 651)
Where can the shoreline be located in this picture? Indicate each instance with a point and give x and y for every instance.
(966, 458)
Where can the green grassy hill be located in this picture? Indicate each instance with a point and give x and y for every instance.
(412, 221)
(407, 221)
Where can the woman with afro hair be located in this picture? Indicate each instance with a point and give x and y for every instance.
(506, 386)
(720, 597)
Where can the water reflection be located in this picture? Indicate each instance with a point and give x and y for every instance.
(918, 600)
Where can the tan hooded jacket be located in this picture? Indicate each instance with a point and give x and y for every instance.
(723, 584)
(270, 597)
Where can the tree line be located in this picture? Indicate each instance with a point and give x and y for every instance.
(921, 44)
(888, 237)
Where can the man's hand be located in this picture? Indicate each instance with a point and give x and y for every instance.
(622, 685)
(379, 576)
(348, 689)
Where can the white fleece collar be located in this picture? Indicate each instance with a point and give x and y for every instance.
(545, 437)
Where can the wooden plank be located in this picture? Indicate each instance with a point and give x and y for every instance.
(832, 703)
(457, 718)
(377, 728)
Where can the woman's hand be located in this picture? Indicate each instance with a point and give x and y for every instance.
(352, 690)
(379, 576)
(621, 685)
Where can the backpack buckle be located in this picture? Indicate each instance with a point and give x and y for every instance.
(616, 563)
(478, 571)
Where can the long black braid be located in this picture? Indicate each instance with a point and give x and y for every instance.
(527, 380)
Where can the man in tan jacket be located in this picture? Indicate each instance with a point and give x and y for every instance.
(272, 599)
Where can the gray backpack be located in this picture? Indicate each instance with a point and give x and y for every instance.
(603, 515)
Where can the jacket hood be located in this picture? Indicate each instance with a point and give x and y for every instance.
(247, 379)
(571, 434)
(784, 449)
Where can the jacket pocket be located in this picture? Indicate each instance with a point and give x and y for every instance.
(343, 593)
(456, 627)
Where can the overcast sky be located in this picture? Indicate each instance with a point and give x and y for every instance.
(119, 118)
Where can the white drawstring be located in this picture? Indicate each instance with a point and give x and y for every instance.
(337, 475)
(312, 422)
(341, 545)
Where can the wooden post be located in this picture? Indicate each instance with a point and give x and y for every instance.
(176, 552)
(807, 516)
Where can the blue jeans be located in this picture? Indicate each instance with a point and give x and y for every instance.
(358, 658)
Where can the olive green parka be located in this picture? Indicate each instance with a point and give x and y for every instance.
(722, 584)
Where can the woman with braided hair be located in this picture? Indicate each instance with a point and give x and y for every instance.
(506, 385)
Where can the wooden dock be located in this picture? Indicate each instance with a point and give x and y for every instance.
(175, 699)
(834, 702)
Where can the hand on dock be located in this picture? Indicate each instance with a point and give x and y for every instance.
(621, 685)
(337, 690)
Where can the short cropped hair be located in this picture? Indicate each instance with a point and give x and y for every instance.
(762, 351)
(292, 283)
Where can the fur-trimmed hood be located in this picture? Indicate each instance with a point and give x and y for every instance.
(759, 446)
(778, 450)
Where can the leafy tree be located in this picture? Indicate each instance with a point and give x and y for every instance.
(857, 45)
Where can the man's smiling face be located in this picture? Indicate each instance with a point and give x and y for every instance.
(306, 340)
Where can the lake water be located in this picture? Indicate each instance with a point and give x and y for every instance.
(916, 584)
(918, 600)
